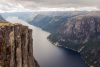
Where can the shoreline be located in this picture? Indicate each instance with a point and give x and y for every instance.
(82, 57)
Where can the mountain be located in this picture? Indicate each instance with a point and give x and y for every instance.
(53, 20)
(49, 23)
(26, 16)
(82, 34)
(1, 18)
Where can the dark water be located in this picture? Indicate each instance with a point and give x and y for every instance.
(49, 55)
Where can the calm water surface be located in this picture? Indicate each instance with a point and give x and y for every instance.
(48, 55)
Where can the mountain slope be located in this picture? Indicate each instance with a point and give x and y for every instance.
(1, 18)
(82, 34)
(26, 16)
(52, 21)
(49, 23)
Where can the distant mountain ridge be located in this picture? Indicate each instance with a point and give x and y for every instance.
(26, 16)
(52, 21)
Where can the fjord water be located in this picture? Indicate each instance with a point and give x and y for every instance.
(48, 55)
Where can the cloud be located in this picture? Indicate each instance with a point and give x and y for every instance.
(12, 7)
(48, 5)
(70, 9)
(55, 3)
(64, 3)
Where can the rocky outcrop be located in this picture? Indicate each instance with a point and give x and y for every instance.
(82, 34)
(16, 46)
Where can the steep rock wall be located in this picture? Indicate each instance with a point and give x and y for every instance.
(82, 34)
(16, 46)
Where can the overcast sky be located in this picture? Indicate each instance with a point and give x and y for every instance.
(39, 4)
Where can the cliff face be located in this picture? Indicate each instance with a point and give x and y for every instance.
(82, 34)
(16, 46)
(81, 29)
